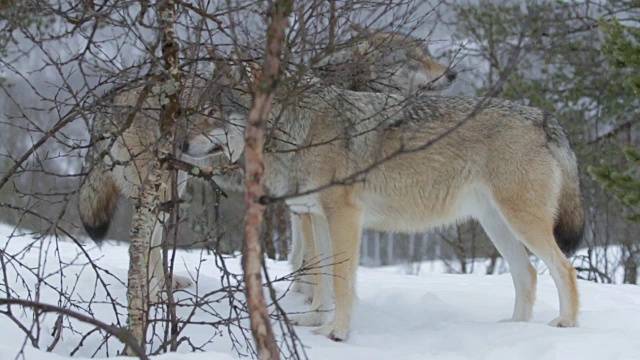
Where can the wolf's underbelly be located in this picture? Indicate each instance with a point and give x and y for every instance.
(418, 213)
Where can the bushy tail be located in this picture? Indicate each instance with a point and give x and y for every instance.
(98, 198)
(569, 226)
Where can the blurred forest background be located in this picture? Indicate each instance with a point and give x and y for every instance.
(578, 59)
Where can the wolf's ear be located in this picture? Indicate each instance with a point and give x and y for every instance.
(362, 47)
(229, 71)
(254, 72)
(360, 31)
(240, 70)
(221, 70)
(246, 73)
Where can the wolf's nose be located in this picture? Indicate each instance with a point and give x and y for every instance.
(451, 75)
(185, 147)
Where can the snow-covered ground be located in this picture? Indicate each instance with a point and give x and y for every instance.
(397, 316)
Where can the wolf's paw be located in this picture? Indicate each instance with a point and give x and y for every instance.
(304, 289)
(308, 298)
(156, 296)
(297, 286)
(313, 318)
(333, 332)
(157, 291)
(181, 282)
(514, 319)
(508, 320)
(562, 322)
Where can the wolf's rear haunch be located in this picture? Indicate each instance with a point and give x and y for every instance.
(98, 197)
(568, 229)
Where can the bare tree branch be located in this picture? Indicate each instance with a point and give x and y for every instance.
(254, 143)
(122, 334)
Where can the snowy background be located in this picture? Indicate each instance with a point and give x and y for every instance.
(398, 316)
(412, 303)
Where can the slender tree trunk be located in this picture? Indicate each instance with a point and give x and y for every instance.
(267, 234)
(144, 217)
(332, 26)
(630, 267)
(281, 227)
(266, 346)
(493, 256)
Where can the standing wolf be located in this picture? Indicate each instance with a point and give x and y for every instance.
(385, 162)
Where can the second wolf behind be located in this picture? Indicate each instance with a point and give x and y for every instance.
(118, 160)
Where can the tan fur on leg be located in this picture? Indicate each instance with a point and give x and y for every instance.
(345, 228)
(535, 230)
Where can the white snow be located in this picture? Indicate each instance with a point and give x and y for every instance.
(397, 316)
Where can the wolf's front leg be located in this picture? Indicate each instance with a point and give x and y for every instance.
(156, 271)
(304, 254)
(345, 228)
(317, 232)
(296, 257)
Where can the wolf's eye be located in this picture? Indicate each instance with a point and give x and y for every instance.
(211, 112)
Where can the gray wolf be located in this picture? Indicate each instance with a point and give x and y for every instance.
(118, 160)
(357, 160)
(373, 61)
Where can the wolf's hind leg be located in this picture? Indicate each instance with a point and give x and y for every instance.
(522, 272)
(535, 230)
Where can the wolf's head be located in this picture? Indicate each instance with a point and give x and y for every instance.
(383, 61)
(220, 131)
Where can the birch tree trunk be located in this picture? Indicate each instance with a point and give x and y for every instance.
(145, 216)
(266, 346)
(141, 228)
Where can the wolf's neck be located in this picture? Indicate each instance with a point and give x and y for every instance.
(288, 127)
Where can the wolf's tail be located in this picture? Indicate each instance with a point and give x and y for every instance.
(569, 225)
(98, 198)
